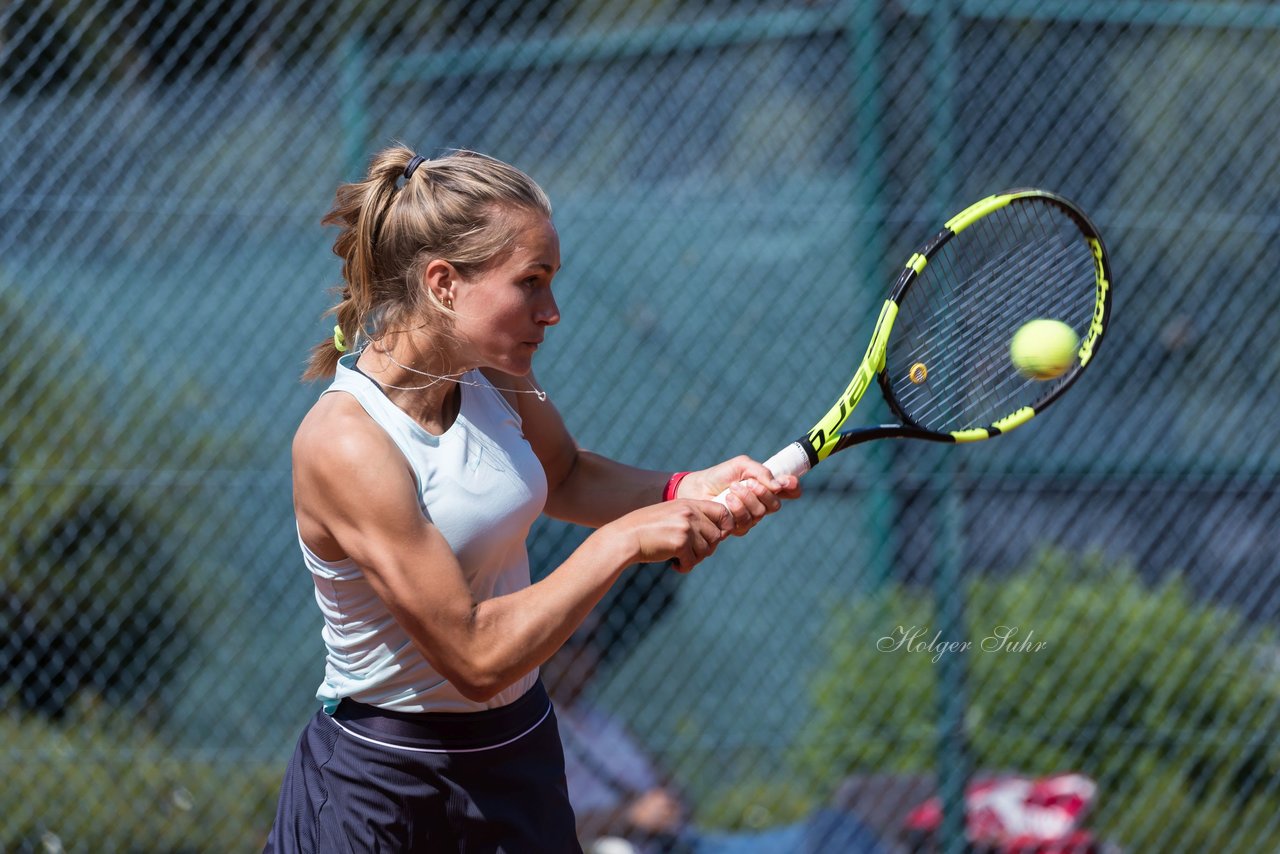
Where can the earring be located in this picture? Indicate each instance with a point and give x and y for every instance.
(448, 303)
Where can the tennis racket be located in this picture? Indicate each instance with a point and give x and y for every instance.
(940, 349)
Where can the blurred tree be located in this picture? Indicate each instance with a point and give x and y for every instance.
(93, 595)
(1139, 687)
(94, 604)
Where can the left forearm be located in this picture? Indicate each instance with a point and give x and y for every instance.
(596, 490)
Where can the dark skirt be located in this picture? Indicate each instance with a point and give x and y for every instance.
(366, 779)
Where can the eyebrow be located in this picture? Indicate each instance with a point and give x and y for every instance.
(543, 266)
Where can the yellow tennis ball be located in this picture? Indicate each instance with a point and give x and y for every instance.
(1043, 349)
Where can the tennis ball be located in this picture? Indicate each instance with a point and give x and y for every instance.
(1043, 349)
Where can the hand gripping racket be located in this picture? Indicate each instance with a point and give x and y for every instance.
(941, 346)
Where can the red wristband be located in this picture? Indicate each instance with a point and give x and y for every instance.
(672, 485)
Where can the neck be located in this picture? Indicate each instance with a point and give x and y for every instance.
(422, 382)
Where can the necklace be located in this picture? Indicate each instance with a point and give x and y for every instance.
(535, 390)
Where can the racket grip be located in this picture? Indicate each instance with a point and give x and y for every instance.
(793, 459)
(790, 460)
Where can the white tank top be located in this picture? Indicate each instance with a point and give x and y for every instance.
(482, 486)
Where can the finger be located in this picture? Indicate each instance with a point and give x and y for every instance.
(772, 498)
(758, 497)
(686, 558)
(714, 533)
(750, 469)
(790, 486)
(702, 531)
(738, 506)
(719, 514)
(752, 508)
(705, 541)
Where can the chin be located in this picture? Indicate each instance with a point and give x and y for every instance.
(516, 361)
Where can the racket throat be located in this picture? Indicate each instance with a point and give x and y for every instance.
(849, 438)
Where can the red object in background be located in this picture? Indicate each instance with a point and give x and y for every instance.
(1020, 815)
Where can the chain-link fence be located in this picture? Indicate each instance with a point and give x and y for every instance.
(736, 184)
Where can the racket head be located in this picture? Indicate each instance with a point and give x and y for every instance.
(1013, 257)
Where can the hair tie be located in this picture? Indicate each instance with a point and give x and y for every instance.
(339, 340)
(413, 164)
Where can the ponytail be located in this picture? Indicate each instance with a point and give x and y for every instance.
(358, 210)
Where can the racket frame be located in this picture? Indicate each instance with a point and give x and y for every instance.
(829, 436)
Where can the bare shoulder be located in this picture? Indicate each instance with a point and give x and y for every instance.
(354, 492)
(337, 442)
(335, 427)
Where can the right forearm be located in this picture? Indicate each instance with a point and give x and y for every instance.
(483, 647)
(509, 635)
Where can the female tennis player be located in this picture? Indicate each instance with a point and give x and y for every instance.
(417, 475)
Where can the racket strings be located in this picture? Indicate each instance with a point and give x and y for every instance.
(942, 318)
(990, 389)
(1024, 261)
(985, 393)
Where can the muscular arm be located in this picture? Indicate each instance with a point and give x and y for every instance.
(589, 489)
(355, 497)
(582, 487)
(593, 490)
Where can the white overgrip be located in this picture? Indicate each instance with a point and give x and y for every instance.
(790, 460)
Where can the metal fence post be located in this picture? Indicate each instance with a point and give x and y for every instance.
(953, 756)
(866, 35)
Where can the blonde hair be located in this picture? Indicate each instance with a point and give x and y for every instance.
(454, 208)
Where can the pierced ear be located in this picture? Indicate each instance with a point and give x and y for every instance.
(441, 279)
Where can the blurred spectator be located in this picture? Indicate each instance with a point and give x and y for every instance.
(621, 798)
(625, 804)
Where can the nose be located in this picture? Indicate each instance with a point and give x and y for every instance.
(548, 313)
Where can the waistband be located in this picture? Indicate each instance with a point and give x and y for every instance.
(447, 732)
